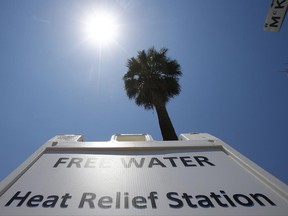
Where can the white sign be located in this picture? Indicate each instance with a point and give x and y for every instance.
(276, 15)
(174, 183)
(171, 181)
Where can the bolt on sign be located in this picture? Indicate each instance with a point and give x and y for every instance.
(276, 15)
(135, 175)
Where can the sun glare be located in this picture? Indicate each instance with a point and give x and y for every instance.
(100, 28)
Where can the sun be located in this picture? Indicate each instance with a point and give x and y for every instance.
(100, 28)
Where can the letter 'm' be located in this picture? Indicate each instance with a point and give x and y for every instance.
(276, 21)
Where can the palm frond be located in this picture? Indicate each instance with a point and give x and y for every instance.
(151, 72)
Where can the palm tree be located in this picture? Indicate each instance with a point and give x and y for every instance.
(152, 80)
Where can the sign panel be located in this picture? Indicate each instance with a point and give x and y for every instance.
(276, 15)
(185, 181)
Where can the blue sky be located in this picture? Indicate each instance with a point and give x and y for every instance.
(53, 82)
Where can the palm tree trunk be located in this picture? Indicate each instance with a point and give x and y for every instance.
(166, 126)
